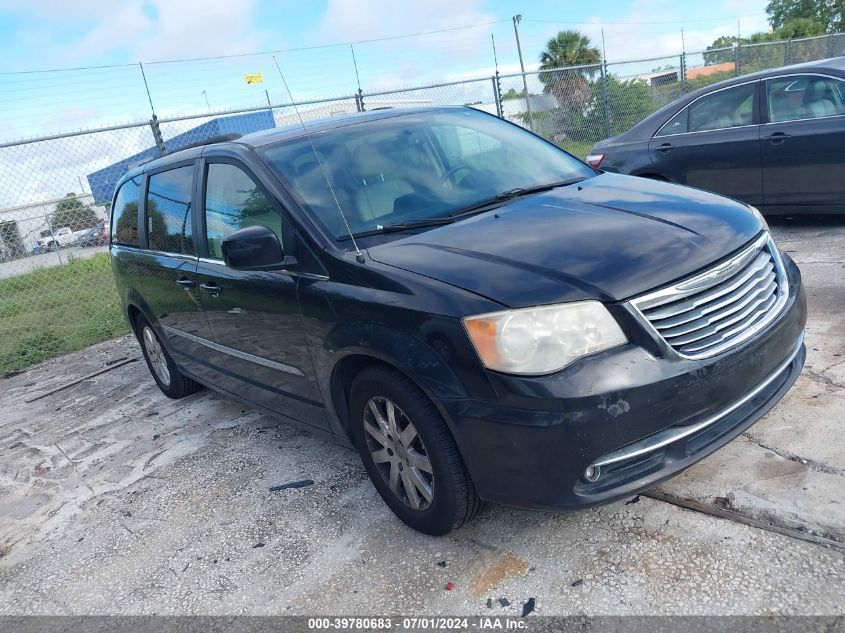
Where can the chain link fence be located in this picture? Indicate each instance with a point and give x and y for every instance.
(56, 289)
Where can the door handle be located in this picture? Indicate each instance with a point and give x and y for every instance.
(213, 289)
(776, 138)
(186, 283)
(665, 148)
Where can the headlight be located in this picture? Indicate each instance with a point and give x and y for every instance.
(759, 216)
(542, 340)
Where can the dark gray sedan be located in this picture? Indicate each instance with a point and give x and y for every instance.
(773, 139)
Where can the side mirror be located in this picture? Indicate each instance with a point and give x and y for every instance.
(255, 248)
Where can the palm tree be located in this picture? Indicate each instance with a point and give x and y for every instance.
(570, 87)
(569, 48)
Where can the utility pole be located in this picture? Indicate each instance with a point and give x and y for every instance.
(516, 20)
(207, 105)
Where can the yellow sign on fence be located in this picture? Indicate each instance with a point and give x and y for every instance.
(254, 78)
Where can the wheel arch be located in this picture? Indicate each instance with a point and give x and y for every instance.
(351, 365)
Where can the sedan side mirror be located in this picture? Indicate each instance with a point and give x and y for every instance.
(255, 248)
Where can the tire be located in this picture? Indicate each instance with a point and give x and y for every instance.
(452, 498)
(162, 368)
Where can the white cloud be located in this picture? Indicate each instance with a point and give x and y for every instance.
(146, 30)
(194, 28)
(408, 60)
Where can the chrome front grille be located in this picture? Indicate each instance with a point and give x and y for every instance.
(712, 311)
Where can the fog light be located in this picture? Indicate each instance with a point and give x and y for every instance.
(592, 473)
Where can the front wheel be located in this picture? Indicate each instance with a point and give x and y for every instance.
(410, 454)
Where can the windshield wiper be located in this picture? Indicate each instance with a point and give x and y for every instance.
(512, 194)
(400, 226)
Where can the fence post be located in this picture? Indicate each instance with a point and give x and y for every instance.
(606, 99)
(683, 73)
(55, 243)
(497, 94)
(830, 45)
(157, 135)
(737, 58)
(359, 101)
(787, 53)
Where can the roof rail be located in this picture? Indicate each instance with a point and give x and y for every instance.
(220, 138)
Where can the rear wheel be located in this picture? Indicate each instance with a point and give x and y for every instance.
(409, 453)
(167, 376)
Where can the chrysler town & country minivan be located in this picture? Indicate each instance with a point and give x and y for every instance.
(482, 316)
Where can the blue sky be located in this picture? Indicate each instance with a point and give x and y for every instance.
(51, 34)
(73, 64)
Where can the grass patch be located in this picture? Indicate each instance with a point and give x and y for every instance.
(56, 310)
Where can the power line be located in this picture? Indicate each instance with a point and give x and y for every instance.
(644, 23)
(272, 52)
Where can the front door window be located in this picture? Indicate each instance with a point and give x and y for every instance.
(234, 201)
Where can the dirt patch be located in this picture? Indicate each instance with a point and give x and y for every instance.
(506, 567)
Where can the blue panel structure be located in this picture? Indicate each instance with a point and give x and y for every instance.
(103, 181)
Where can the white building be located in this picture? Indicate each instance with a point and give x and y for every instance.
(22, 226)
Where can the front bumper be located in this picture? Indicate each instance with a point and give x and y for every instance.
(641, 416)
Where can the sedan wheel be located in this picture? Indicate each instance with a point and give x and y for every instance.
(399, 453)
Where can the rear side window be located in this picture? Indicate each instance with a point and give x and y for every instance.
(169, 226)
(233, 201)
(124, 226)
(731, 107)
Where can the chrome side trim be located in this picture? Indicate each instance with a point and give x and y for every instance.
(258, 360)
(673, 434)
(283, 271)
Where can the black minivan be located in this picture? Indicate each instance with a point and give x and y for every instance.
(481, 315)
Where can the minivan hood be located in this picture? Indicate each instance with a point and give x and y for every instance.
(610, 238)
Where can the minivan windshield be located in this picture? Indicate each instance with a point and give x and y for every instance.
(418, 169)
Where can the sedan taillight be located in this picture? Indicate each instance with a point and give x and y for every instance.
(594, 160)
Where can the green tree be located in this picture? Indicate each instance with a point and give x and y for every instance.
(829, 15)
(722, 50)
(513, 94)
(630, 101)
(570, 87)
(569, 48)
(71, 212)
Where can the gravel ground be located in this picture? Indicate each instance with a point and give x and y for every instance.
(115, 500)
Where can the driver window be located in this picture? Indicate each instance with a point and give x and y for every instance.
(233, 201)
(804, 97)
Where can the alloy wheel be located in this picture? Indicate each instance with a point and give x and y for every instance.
(399, 453)
(155, 353)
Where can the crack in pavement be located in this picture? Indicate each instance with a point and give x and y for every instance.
(819, 467)
(821, 378)
(729, 512)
